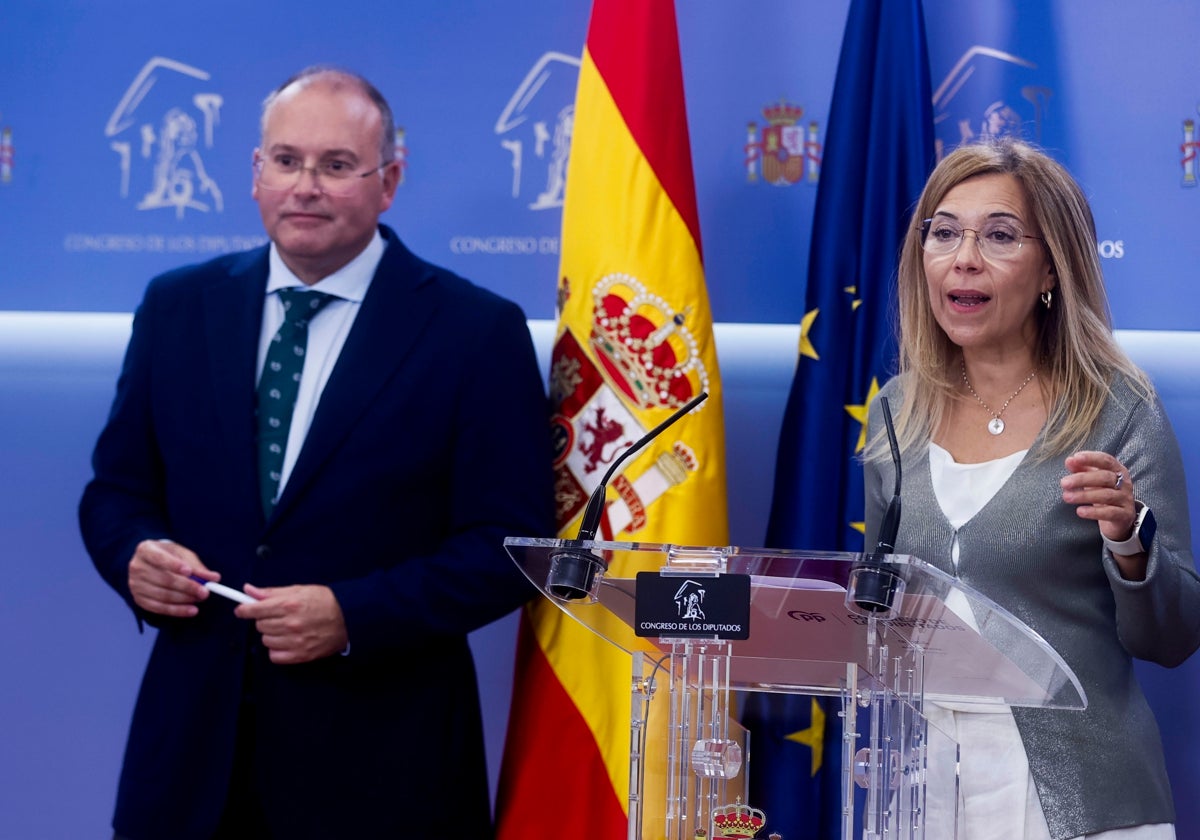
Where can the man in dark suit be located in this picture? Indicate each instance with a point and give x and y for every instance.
(341, 701)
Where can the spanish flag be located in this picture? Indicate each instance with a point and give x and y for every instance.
(634, 343)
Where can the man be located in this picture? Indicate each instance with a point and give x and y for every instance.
(341, 701)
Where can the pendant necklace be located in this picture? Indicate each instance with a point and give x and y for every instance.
(995, 425)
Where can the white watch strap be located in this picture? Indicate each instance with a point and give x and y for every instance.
(1133, 545)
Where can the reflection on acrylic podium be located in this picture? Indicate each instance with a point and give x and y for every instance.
(886, 634)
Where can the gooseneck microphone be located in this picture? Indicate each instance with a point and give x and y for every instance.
(573, 569)
(874, 583)
(886, 543)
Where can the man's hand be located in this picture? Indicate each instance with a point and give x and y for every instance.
(297, 623)
(160, 578)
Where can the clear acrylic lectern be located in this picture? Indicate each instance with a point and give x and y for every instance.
(887, 634)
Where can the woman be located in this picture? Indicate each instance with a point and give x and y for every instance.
(1038, 463)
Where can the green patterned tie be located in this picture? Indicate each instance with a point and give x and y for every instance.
(279, 384)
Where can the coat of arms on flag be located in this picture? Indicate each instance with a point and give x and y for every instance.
(645, 357)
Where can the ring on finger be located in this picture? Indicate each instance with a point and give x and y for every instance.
(1120, 479)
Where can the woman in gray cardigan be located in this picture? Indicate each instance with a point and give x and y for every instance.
(1041, 470)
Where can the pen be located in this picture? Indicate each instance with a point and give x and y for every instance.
(224, 591)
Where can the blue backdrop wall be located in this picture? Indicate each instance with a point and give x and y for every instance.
(129, 127)
(126, 132)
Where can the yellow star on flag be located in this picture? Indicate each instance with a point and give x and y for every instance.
(806, 346)
(814, 736)
(859, 413)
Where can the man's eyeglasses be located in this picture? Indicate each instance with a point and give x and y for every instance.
(998, 239)
(333, 177)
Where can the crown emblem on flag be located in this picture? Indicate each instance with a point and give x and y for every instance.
(783, 114)
(644, 346)
(737, 820)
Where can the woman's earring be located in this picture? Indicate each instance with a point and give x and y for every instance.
(1047, 297)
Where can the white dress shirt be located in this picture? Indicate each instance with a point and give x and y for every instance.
(326, 333)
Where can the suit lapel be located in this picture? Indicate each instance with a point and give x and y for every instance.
(232, 311)
(398, 306)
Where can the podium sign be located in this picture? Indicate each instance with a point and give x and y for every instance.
(692, 606)
(886, 634)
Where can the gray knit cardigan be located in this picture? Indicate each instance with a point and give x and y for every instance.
(1101, 768)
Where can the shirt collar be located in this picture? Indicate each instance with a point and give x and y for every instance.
(350, 282)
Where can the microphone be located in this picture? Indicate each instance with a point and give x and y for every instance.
(573, 569)
(875, 584)
(891, 519)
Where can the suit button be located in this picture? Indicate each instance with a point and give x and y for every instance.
(263, 552)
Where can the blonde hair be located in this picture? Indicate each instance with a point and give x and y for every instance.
(1074, 339)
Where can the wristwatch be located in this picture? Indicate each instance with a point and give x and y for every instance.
(1139, 541)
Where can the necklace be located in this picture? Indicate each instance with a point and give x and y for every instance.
(995, 425)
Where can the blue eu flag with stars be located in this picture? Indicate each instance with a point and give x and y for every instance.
(879, 150)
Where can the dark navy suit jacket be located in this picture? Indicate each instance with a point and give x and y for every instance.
(430, 444)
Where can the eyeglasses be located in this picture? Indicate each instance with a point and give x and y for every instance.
(333, 176)
(998, 239)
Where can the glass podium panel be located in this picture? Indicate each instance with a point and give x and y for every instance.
(885, 634)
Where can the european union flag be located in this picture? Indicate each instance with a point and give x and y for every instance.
(879, 150)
